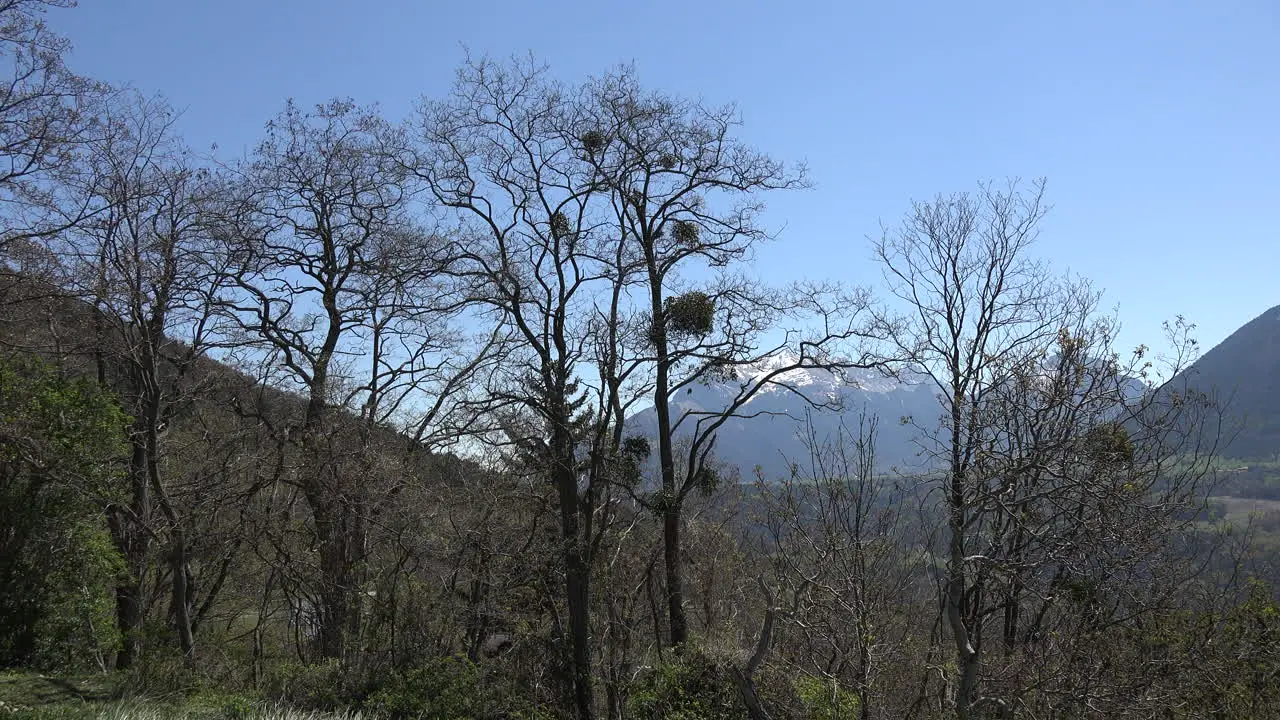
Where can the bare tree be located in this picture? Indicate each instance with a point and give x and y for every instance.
(1047, 436)
(334, 297)
(842, 550)
(502, 151)
(685, 197)
(147, 264)
(47, 115)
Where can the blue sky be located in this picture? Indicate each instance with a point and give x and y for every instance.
(1157, 124)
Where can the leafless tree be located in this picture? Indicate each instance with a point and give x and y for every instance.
(685, 195)
(502, 152)
(1048, 435)
(47, 115)
(147, 265)
(335, 298)
(844, 551)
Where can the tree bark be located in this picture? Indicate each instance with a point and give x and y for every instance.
(577, 572)
(182, 599)
(133, 542)
(671, 500)
(967, 657)
(334, 596)
(675, 592)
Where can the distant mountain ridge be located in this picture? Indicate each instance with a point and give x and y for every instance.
(1243, 373)
(774, 439)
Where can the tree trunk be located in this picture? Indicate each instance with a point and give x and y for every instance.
(129, 621)
(133, 542)
(334, 594)
(750, 699)
(671, 501)
(182, 599)
(967, 656)
(675, 591)
(577, 572)
(744, 676)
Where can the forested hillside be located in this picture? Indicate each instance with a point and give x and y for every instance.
(408, 417)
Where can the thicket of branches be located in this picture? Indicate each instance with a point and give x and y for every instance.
(345, 422)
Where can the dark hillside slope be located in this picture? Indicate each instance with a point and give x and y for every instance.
(37, 319)
(1243, 373)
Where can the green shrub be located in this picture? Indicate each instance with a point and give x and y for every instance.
(445, 689)
(61, 446)
(160, 671)
(692, 687)
(322, 686)
(824, 699)
(237, 707)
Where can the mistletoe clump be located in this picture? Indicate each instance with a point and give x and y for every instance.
(690, 314)
(685, 233)
(559, 225)
(593, 141)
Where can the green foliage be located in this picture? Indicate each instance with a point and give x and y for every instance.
(637, 447)
(691, 687)
(635, 451)
(160, 671)
(1109, 444)
(94, 697)
(686, 233)
(238, 706)
(1080, 591)
(78, 620)
(824, 699)
(691, 314)
(706, 480)
(445, 689)
(140, 710)
(61, 443)
(1250, 645)
(560, 227)
(1223, 663)
(320, 686)
(26, 691)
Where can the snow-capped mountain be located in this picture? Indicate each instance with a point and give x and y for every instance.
(771, 433)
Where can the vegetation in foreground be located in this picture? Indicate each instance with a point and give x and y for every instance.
(39, 697)
(231, 398)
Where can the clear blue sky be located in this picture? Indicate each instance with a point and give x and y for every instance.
(1156, 123)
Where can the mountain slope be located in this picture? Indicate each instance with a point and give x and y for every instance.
(773, 438)
(1243, 372)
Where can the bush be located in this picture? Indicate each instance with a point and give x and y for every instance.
(61, 444)
(692, 687)
(445, 689)
(160, 670)
(321, 686)
(824, 699)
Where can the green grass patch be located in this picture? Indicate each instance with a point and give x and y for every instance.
(34, 689)
(32, 696)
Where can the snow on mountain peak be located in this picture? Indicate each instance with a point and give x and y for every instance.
(818, 379)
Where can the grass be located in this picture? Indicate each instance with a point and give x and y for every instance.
(31, 696)
(33, 689)
(1239, 509)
